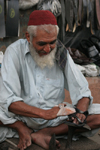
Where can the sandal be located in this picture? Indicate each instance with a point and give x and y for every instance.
(90, 51)
(52, 143)
(81, 124)
(96, 41)
(72, 126)
(88, 48)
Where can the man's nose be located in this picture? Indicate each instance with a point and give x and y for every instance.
(47, 48)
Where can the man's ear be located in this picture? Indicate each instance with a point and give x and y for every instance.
(27, 36)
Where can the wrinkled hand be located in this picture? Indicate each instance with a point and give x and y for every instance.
(81, 117)
(51, 113)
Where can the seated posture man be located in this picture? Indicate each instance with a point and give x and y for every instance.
(33, 78)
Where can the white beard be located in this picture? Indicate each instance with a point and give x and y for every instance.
(43, 61)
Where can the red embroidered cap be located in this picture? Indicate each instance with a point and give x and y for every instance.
(41, 17)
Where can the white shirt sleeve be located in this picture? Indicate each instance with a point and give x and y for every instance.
(10, 88)
(77, 84)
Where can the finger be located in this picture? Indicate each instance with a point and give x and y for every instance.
(72, 118)
(78, 118)
(81, 117)
(75, 121)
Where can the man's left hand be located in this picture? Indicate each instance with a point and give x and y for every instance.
(81, 118)
(83, 106)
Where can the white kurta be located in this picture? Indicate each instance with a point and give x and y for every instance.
(23, 80)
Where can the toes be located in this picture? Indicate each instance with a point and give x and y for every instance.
(58, 144)
(22, 145)
(29, 143)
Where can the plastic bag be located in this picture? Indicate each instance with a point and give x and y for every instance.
(26, 4)
(52, 5)
(89, 70)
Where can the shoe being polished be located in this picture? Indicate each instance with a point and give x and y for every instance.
(96, 41)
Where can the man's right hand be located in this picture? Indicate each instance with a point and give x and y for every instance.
(50, 114)
(23, 109)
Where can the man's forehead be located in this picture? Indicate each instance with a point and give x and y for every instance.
(47, 30)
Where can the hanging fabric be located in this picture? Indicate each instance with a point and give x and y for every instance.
(98, 13)
(89, 10)
(26, 4)
(12, 19)
(2, 19)
(61, 22)
(75, 9)
(53, 5)
(80, 11)
(92, 17)
(69, 14)
(84, 17)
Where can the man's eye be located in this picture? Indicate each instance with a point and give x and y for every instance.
(53, 42)
(41, 43)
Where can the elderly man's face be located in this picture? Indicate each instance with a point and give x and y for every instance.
(45, 42)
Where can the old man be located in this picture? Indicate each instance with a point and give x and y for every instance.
(34, 74)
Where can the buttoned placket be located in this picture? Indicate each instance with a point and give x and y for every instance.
(39, 84)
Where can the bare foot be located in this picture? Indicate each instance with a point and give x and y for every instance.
(24, 137)
(42, 138)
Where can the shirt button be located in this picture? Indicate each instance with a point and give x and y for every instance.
(38, 94)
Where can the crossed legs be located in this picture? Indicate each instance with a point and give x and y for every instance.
(23, 131)
(43, 136)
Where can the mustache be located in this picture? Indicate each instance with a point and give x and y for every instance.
(46, 60)
(43, 52)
